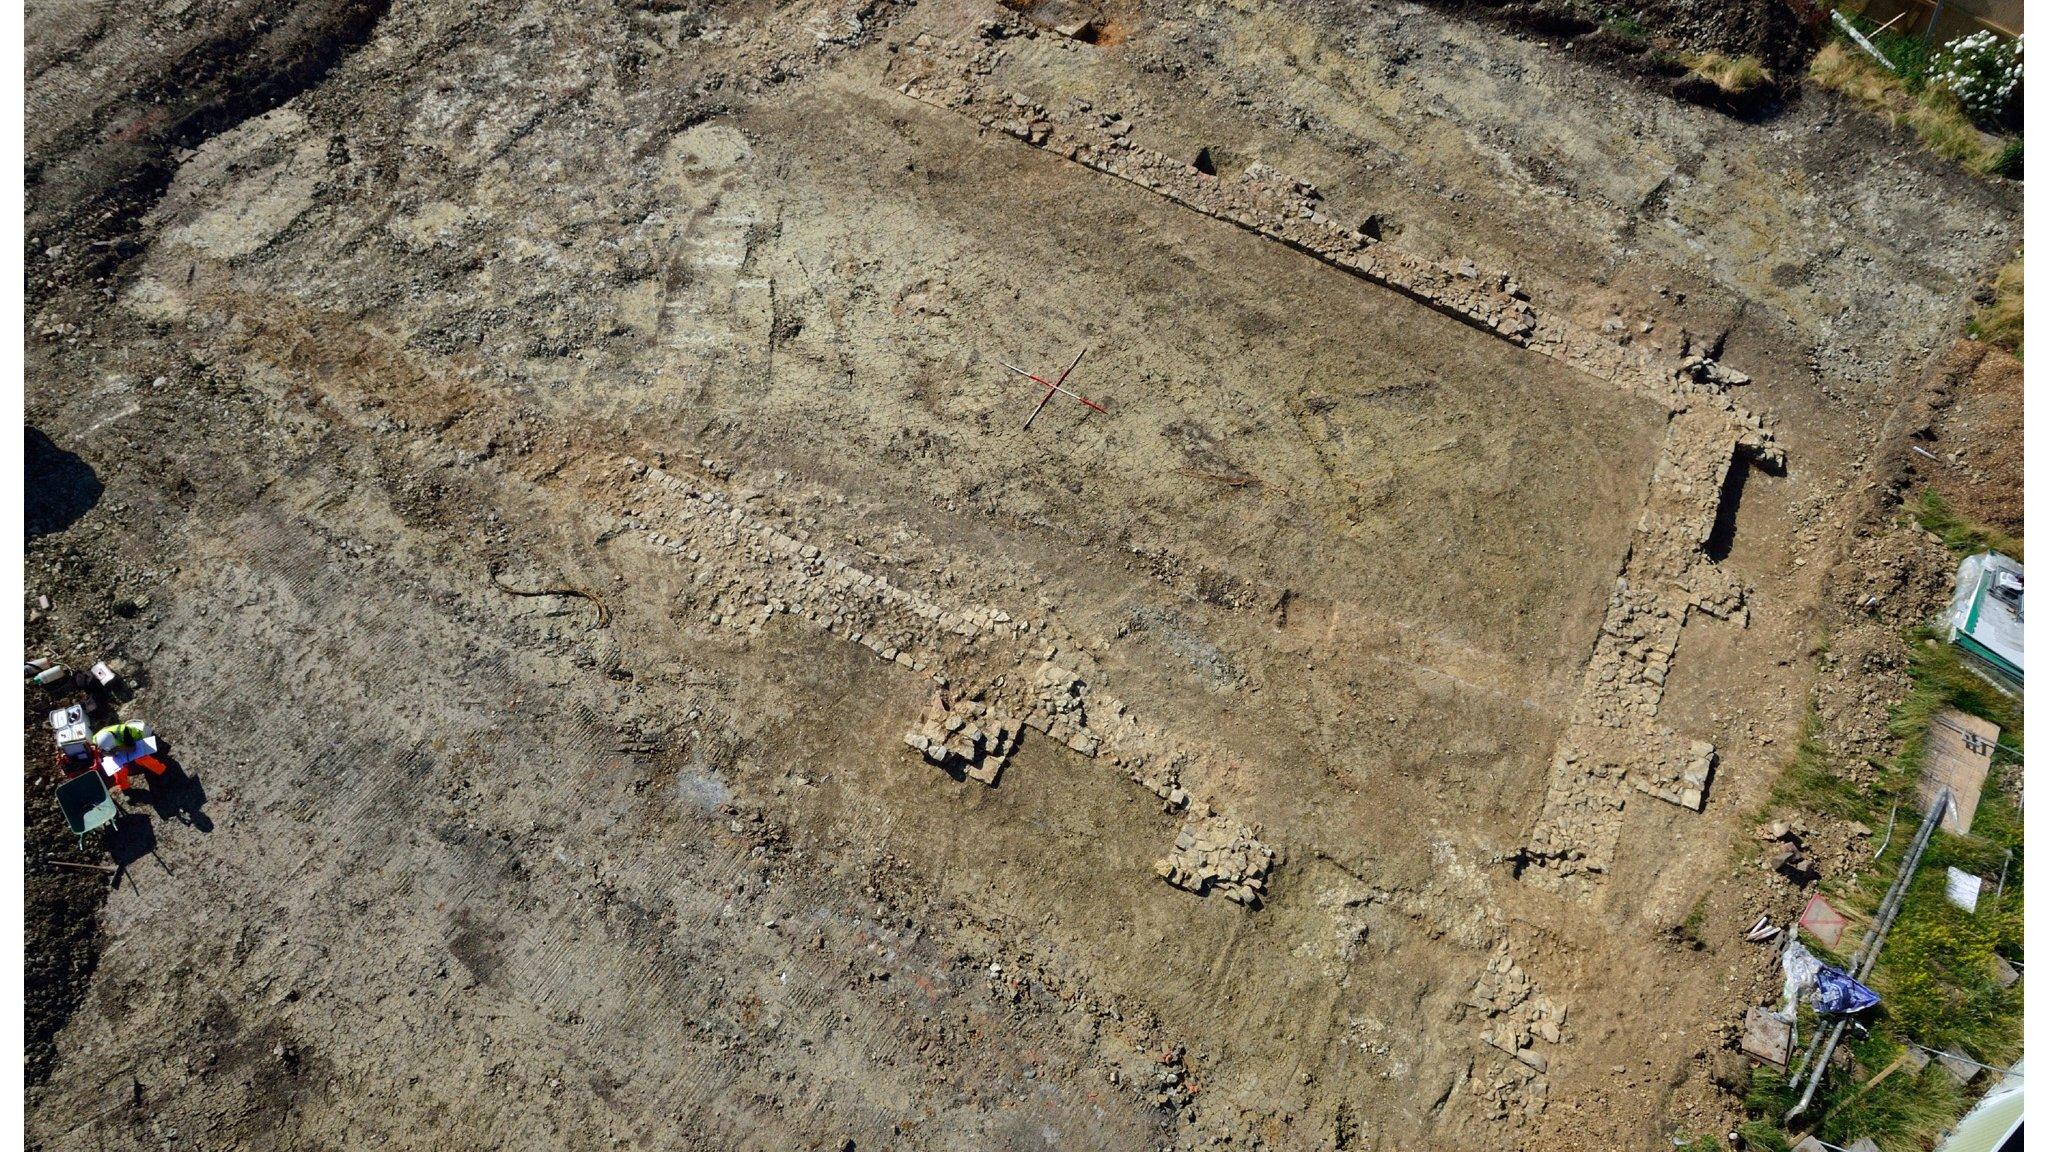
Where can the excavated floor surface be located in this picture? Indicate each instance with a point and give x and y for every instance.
(545, 465)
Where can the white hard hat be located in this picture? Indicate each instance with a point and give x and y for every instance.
(106, 742)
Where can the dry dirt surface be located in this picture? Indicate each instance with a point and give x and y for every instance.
(1972, 453)
(640, 685)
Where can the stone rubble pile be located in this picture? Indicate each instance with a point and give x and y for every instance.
(1517, 1016)
(1060, 708)
(1213, 851)
(1672, 768)
(964, 736)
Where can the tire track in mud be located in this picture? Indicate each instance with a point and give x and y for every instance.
(539, 964)
(345, 811)
(626, 987)
(93, 184)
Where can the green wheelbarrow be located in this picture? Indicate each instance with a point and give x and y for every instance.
(87, 803)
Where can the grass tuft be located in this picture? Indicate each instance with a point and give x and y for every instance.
(1734, 75)
(1937, 976)
(1938, 118)
(2011, 160)
(1850, 72)
(2003, 321)
(1934, 115)
(1763, 1137)
(1627, 24)
(1960, 535)
(1770, 1094)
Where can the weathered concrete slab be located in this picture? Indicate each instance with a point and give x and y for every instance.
(1959, 1065)
(1766, 1037)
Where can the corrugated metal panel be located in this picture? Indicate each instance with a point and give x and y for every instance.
(1995, 1118)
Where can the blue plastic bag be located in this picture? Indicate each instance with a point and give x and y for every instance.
(1836, 992)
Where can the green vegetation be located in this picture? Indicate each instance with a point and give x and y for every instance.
(2011, 160)
(1938, 979)
(1812, 782)
(1938, 975)
(1944, 678)
(1982, 70)
(1692, 930)
(1942, 124)
(1909, 56)
(1770, 1096)
(2003, 321)
(1626, 24)
(1962, 537)
(1847, 70)
(1934, 114)
(1763, 1136)
(1906, 1110)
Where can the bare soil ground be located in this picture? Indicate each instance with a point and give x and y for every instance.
(686, 319)
(1974, 451)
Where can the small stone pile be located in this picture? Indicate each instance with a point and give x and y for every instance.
(1516, 1017)
(1212, 851)
(965, 737)
(1060, 709)
(1673, 768)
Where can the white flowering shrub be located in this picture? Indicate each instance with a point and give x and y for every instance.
(1981, 70)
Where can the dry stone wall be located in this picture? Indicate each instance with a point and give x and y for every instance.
(743, 572)
(1612, 742)
(965, 737)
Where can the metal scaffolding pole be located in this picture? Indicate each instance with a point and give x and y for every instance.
(1866, 954)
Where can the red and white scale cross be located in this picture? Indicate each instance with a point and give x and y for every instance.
(1052, 386)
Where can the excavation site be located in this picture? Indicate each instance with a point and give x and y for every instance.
(848, 574)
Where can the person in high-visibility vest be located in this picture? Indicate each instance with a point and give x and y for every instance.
(114, 742)
(115, 737)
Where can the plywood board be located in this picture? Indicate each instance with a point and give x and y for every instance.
(1958, 755)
